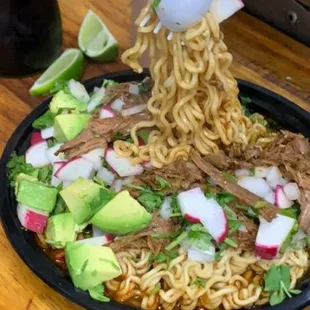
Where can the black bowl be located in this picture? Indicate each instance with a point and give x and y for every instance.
(285, 113)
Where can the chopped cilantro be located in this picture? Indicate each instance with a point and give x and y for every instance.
(161, 258)
(199, 282)
(166, 235)
(16, 165)
(224, 198)
(59, 85)
(44, 121)
(144, 135)
(222, 248)
(177, 241)
(156, 3)
(109, 83)
(51, 142)
(233, 225)
(277, 282)
(45, 174)
(229, 177)
(99, 181)
(293, 211)
(230, 242)
(162, 182)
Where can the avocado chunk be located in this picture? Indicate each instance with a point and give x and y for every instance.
(122, 215)
(91, 265)
(64, 100)
(84, 198)
(68, 126)
(36, 195)
(61, 228)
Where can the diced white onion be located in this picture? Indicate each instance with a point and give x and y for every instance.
(134, 89)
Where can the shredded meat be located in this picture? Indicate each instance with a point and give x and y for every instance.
(181, 175)
(269, 211)
(143, 239)
(304, 218)
(246, 240)
(98, 133)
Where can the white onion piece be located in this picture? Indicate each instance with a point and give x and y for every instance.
(242, 173)
(203, 256)
(117, 105)
(291, 191)
(261, 172)
(134, 110)
(96, 89)
(117, 185)
(257, 186)
(165, 209)
(274, 177)
(134, 89)
(270, 197)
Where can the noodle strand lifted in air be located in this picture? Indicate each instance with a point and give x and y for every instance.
(194, 100)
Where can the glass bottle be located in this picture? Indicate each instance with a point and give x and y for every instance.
(30, 35)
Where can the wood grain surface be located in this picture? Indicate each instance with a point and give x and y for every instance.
(262, 55)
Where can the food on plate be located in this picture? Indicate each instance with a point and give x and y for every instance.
(168, 193)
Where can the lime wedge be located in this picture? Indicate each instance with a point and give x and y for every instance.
(68, 66)
(95, 39)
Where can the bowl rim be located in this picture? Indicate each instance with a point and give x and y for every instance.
(33, 256)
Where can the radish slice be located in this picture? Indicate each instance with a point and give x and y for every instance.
(165, 209)
(270, 197)
(117, 105)
(95, 156)
(291, 191)
(274, 177)
(106, 112)
(180, 15)
(202, 256)
(76, 168)
(242, 173)
(47, 133)
(97, 232)
(55, 181)
(134, 89)
(96, 89)
(261, 172)
(51, 153)
(223, 9)
(257, 186)
(32, 219)
(196, 208)
(107, 176)
(36, 138)
(148, 165)
(36, 155)
(280, 198)
(122, 165)
(271, 236)
(78, 91)
(134, 110)
(97, 241)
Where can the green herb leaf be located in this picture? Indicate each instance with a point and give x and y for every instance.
(276, 297)
(245, 101)
(200, 282)
(16, 165)
(175, 206)
(162, 182)
(99, 181)
(166, 235)
(224, 198)
(58, 86)
(144, 135)
(97, 293)
(44, 121)
(45, 174)
(234, 225)
(229, 177)
(109, 83)
(156, 289)
(231, 242)
(177, 241)
(222, 248)
(260, 205)
(156, 3)
(199, 237)
(273, 279)
(51, 142)
(151, 201)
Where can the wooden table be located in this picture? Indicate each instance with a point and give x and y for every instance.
(262, 55)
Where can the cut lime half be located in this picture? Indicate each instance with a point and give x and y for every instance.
(68, 66)
(95, 39)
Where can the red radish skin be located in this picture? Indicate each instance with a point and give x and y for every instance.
(192, 219)
(31, 219)
(266, 252)
(36, 138)
(36, 155)
(107, 112)
(280, 198)
(122, 165)
(78, 167)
